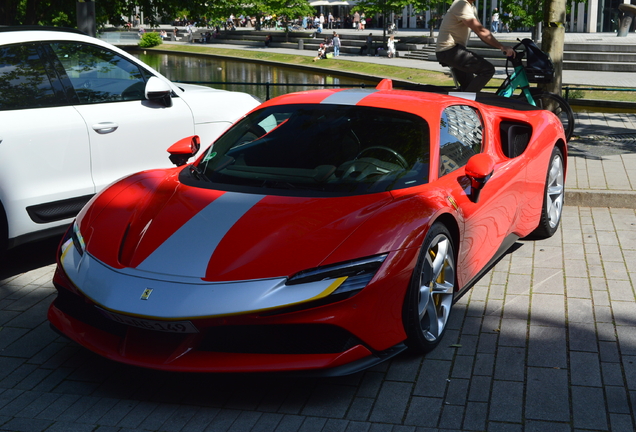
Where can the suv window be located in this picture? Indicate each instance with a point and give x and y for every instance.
(99, 75)
(24, 82)
(460, 137)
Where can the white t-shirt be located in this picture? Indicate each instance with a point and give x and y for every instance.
(391, 45)
(453, 31)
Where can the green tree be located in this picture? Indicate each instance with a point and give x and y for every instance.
(529, 13)
(63, 12)
(382, 7)
(37, 12)
(437, 6)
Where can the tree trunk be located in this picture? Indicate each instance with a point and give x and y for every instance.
(553, 39)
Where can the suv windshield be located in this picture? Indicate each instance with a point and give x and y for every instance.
(322, 148)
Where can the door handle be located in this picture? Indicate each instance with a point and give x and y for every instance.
(105, 127)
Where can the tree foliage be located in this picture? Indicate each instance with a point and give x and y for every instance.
(371, 7)
(424, 5)
(528, 13)
(37, 12)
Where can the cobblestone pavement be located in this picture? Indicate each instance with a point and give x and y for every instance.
(602, 161)
(546, 341)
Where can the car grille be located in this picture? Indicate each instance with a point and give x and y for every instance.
(75, 306)
(240, 339)
(279, 339)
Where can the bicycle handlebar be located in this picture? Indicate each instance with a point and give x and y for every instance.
(519, 54)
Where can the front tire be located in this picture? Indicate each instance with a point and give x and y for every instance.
(552, 197)
(430, 297)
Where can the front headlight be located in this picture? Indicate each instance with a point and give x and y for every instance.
(355, 274)
(78, 240)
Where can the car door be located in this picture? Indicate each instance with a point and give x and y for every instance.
(44, 151)
(488, 222)
(126, 132)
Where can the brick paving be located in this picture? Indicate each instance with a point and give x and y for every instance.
(546, 341)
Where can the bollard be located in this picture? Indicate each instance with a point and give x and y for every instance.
(301, 44)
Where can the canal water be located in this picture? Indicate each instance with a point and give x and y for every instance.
(206, 69)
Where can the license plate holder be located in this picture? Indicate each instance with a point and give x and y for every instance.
(183, 326)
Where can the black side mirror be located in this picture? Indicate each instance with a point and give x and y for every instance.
(479, 169)
(184, 149)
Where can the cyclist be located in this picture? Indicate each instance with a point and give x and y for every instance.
(471, 70)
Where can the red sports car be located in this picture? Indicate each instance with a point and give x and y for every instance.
(326, 231)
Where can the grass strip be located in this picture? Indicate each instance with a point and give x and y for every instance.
(379, 71)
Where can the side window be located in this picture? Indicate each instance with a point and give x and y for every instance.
(460, 137)
(24, 82)
(99, 75)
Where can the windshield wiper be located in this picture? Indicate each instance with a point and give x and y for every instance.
(277, 184)
(198, 174)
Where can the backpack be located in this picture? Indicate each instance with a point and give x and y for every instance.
(539, 67)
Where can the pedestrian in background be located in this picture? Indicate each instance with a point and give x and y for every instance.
(494, 21)
(391, 46)
(336, 44)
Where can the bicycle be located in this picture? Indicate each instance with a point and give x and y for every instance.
(519, 79)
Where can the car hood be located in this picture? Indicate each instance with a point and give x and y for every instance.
(210, 105)
(155, 224)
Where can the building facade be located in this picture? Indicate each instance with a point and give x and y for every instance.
(595, 16)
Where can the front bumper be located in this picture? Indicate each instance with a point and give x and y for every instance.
(230, 348)
(332, 334)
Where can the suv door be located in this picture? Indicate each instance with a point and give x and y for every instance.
(44, 154)
(126, 132)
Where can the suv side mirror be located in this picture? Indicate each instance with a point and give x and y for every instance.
(159, 90)
(184, 149)
(479, 169)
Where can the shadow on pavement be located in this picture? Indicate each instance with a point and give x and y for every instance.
(28, 257)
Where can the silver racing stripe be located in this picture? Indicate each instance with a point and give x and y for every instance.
(188, 250)
(348, 97)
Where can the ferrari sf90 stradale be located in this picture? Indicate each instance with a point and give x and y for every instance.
(326, 231)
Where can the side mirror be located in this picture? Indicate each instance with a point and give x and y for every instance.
(184, 149)
(479, 169)
(159, 90)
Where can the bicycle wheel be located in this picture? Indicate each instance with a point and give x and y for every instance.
(558, 105)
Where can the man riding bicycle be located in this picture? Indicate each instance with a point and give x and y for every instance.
(471, 70)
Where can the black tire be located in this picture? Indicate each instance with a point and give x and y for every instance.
(559, 106)
(429, 300)
(553, 195)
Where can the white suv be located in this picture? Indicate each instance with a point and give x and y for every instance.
(76, 114)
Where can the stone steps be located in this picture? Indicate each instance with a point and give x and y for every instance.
(577, 56)
(614, 58)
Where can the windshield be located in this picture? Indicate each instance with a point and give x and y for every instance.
(332, 149)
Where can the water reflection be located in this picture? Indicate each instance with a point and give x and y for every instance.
(178, 67)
